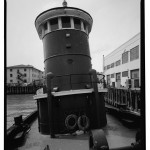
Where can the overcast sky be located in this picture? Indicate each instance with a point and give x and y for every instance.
(114, 22)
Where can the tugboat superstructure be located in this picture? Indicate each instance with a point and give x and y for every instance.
(71, 111)
(74, 100)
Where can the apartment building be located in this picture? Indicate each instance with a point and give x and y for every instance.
(23, 74)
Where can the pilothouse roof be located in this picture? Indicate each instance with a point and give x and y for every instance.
(63, 11)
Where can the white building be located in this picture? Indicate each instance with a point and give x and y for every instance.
(23, 74)
(122, 66)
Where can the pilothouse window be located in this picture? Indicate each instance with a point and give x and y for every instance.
(45, 26)
(84, 25)
(66, 22)
(77, 24)
(54, 24)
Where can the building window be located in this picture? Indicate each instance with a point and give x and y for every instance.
(118, 77)
(105, 68)
(108, 66)
(11, 75)
(125, 74)
(124, 57)
(118, 63)
(134, 53)
(135, 78)
(25, 74)
(77, 24)
(54, 24)
(66, 22)
(10, 70)
(108, 79)
(112, 75)
(25, 69)
(135, 74)
(112, 65)
(25, 81)
(11, 81)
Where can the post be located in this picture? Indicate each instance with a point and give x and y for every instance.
(116, 97)
(126, 97)
(130, 99)
(103, 64)
(136, 102)
(94, 81)
(49, 77)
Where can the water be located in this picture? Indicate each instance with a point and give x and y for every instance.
(17, 105)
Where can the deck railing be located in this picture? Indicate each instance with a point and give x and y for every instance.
(130, 98)
(22, 89)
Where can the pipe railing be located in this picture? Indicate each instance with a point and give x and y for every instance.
(22, 89)
(71, 83)
(130, 98)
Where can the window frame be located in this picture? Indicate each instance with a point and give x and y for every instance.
(134, 54)
(112, 75)
(54, 26)
(125, 75)
(135, 71)
(112, 65)
(125, 57)
(118, 63)
(76, 24)
(62, 23)
(45, 26)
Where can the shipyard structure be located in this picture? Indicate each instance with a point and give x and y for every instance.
(122, 66)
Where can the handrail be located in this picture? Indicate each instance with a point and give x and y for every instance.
(70, 76)
(127, 97)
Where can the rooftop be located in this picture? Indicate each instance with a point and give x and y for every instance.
(22, 66)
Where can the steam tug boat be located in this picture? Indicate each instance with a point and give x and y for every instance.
(70, 109)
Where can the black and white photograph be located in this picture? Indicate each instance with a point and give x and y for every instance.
(74, 75)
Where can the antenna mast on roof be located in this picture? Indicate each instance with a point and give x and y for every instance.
(64, 3)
